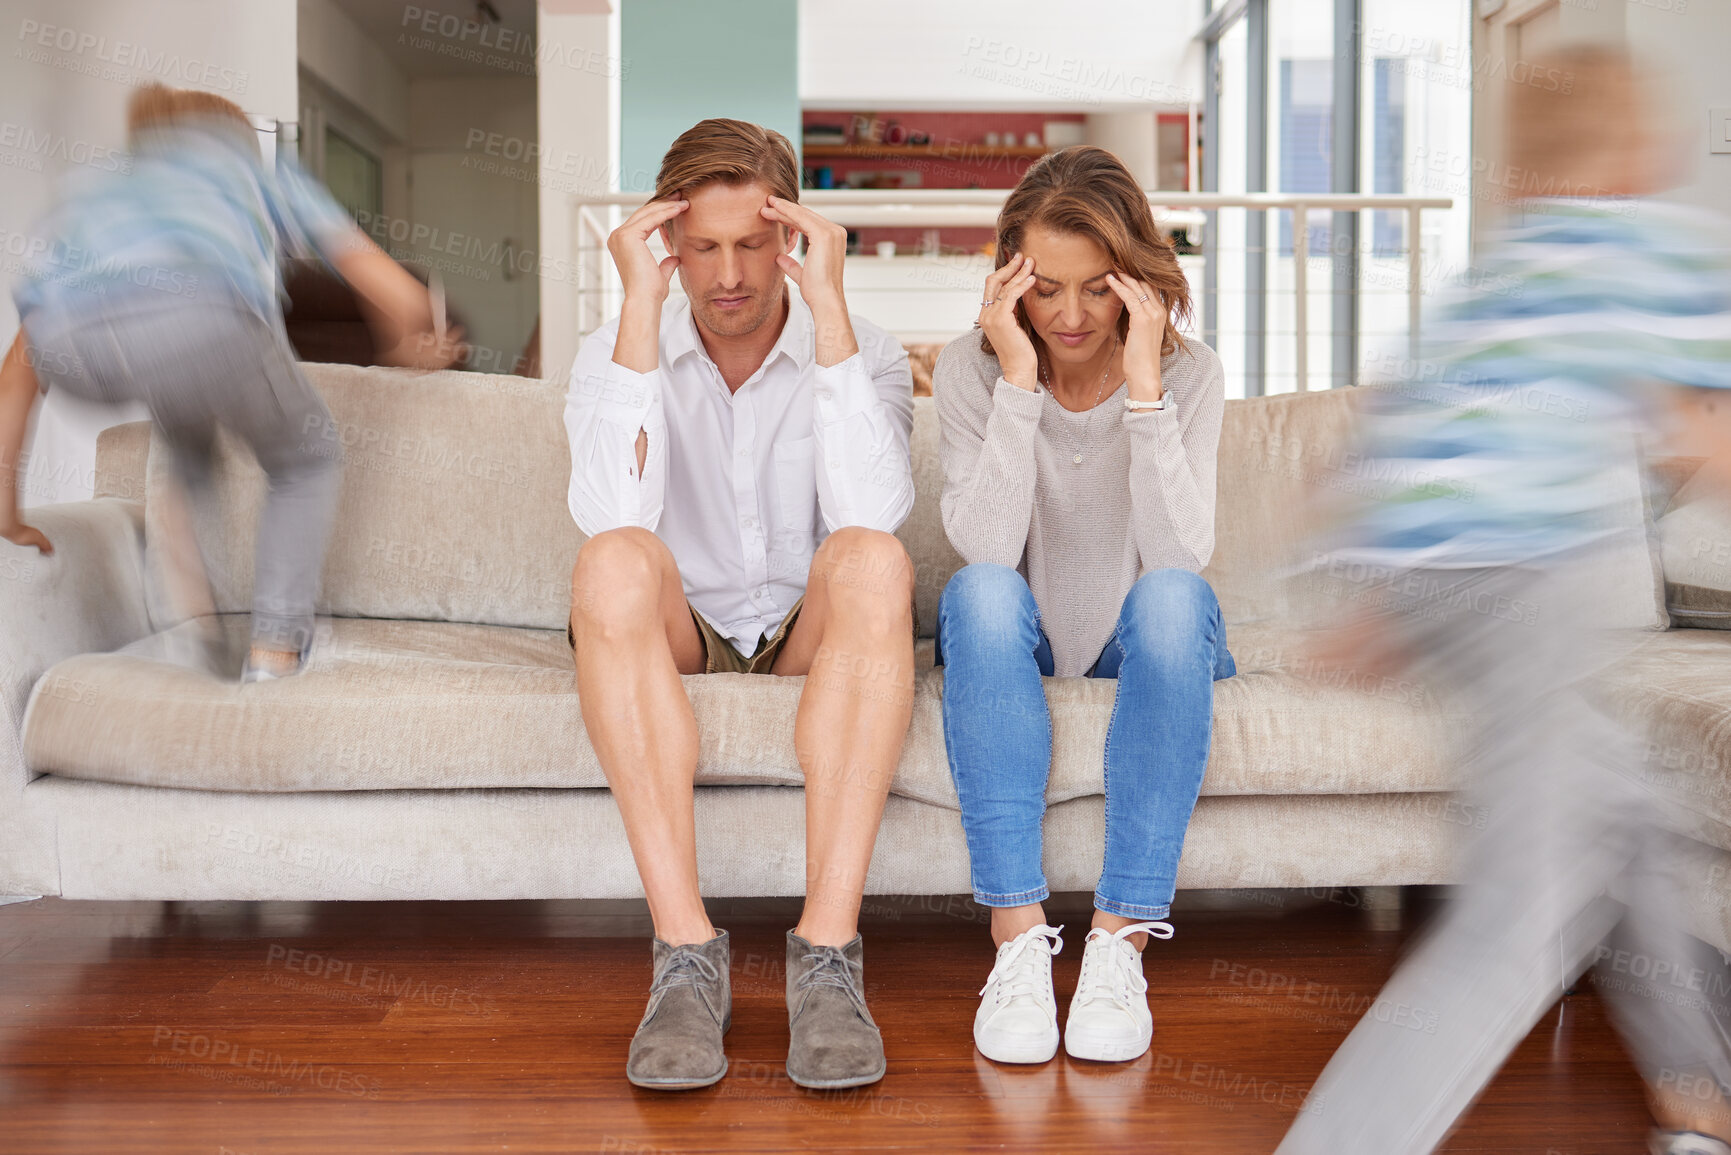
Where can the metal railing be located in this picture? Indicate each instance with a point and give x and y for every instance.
(599, 293)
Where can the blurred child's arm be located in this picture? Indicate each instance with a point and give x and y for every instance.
(1699, 425)
(18, 391)
(399, 308)
(407, 327)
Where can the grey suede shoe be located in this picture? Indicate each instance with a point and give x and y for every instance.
(678, 1043)
(835, 1043)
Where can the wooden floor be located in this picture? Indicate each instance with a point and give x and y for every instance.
(245, 1028)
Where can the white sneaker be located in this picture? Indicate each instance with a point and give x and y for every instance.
(1018, 1017)
(1686, 1143)
(1109, 1017)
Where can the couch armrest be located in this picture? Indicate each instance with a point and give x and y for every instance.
(88, 597)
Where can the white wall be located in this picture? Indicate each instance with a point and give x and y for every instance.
(1690, 48)
(1032, 54)
(578, 132)
(462, 133)
(1130, 137)
(69, 67)
(350, 85)
(333, 48)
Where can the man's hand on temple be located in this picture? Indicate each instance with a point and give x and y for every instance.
(644, 277)
(646, 284)
(819, 278)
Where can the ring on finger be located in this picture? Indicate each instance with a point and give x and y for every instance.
(993, 301)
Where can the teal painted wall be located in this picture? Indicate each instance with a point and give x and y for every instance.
(686, 60)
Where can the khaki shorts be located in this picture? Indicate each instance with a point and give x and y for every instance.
(719, 656)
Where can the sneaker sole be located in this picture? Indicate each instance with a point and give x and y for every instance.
(1106, 1051)
(1040, 1051)
(837, 1084)
(677, 1084)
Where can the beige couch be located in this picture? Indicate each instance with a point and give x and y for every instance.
(434, 747)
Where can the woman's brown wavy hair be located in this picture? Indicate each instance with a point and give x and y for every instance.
(1087, 191)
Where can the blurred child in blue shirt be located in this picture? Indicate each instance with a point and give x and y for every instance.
(162, 284)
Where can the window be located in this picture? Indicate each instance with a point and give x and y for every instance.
(1310, 97)
(1388, 152)
(353, 176)
(1306, 141)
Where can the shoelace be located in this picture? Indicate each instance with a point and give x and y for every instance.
(827, 966)
(1121, 982)
(1014, 966)
(685, 967)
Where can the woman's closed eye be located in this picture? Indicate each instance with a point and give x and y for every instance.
(1046, 295)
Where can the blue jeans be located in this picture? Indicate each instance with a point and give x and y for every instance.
(1168, 650)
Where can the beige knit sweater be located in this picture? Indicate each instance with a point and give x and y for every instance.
(1142, 499)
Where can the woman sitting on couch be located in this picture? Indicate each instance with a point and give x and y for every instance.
(1080, 433)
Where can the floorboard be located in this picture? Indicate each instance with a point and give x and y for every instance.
(245, 1028)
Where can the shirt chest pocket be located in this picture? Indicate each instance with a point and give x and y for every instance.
(796, 485)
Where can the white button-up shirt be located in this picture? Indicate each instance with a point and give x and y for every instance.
(742, 486)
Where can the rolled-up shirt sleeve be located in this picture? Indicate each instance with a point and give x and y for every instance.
(606, 407)
(864, 414)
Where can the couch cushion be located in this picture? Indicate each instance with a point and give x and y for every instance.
(935, 559)
(1288, 466)
(1674, 689)
(1276, 455)
(390, 705)
(452, 504)
(122, 456)
(1695, 542)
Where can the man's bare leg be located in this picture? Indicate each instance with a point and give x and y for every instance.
(854, 640)
(634, 638)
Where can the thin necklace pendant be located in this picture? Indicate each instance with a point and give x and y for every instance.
(1088, 426)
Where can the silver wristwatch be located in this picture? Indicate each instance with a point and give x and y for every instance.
(1136, 406)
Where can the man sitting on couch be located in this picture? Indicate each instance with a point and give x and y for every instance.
(739, 460)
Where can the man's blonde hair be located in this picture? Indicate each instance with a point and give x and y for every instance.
(730, 151)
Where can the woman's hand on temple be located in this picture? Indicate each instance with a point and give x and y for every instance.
(1017, 360)
(1147, 333)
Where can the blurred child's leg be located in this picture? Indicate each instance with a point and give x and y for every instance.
(214, 361)
(1557, 815)
(305, 471)
(182, 563)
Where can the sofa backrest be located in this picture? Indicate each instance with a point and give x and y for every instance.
(453, 503)
(1275, 453)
